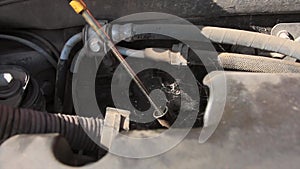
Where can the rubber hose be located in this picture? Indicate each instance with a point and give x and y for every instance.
(62, 69)
(32, 46)
(42, 40)
(26, 121)
(26, 34)
(257, 63)
(253, 40)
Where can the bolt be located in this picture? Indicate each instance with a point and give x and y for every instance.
(285, 35)
(94, 45)
(5, 79)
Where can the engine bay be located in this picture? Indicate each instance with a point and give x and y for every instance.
(223, 74)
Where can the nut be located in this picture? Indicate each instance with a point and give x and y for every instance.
(94, 45)
(5, 79)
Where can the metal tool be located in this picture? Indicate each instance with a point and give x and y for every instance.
(80, 8)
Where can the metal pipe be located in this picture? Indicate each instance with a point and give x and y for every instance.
(69, 45)
(156, 54)
(62, 69)
(220, 35)
(131, 52)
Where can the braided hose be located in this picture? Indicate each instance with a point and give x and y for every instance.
(257, 63)
(73, 128)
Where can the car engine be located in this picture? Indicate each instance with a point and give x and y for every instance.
(149, 84)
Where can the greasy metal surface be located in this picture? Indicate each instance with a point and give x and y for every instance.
(259, 129)
(57, 14)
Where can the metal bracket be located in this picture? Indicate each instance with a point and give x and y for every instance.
(292, 28)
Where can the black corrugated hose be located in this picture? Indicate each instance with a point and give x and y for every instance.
(26, 121)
